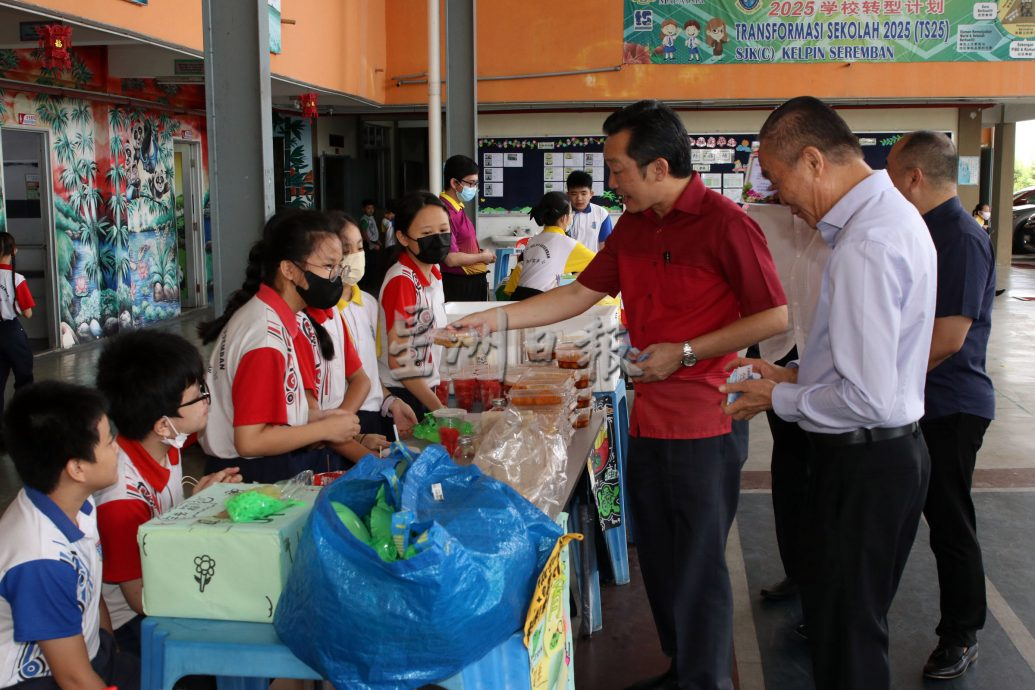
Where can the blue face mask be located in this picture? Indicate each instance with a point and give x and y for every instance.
(468, 194)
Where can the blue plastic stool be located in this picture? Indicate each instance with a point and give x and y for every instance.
(616, 538)
(502, 268)
(244, 656)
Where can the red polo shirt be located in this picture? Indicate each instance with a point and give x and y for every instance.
(701, 267)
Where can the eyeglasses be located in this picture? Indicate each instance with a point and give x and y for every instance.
(205, 396)
(468, 183)
(333, 272)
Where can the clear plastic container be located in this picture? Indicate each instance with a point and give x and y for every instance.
(583, 378)
(489, 388)
(584, 398)
(571, 357)
(542, 396)
(449, 337)
(449, 417)
(582, 418)
(465, 389)
(539, 349)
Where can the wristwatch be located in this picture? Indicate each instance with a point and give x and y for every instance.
(689, 358)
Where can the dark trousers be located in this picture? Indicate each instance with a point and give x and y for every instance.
(521, 293)
(15, 355)
(864, 505)
(114, 668)
(790, 462)
(953, 442)
(464, 288)
(371, 422)
(684, 494)
(275, 468)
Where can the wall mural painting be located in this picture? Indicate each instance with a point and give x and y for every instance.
(114, 206)
(298, 158)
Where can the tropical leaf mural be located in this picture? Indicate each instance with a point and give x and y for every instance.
(298, 164)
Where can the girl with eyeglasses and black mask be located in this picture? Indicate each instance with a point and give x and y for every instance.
(259, 419)
(412, 300)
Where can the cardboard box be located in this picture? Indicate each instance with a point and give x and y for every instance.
(197, 563)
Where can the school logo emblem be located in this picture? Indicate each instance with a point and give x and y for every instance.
(749, 6)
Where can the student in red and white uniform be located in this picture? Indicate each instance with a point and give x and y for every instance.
(259, 419)
(15, 301)
(549, 254)
(332, 374)
(359, 310)
(155, 385)
(412, 301)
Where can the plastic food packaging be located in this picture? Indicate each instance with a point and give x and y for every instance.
(465, 387)
(583, 378)
(540, 348)
(584, 399)
(571, 357)
(450, 417)
(582, 418)
(528, 451)
(442, 389)
(325, 478)
(448, 337)
(257, 504)
(489, 388)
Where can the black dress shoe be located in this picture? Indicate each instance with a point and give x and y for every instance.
(801, 631)
(781, 591)
(948, 662)
(666, 681)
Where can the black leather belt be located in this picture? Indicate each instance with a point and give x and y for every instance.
(852, 438)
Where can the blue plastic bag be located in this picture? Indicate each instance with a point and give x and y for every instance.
(364, 623)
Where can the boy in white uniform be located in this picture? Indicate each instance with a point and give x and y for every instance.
(591, 224)
(54, 627)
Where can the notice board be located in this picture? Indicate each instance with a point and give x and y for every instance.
(517, 171)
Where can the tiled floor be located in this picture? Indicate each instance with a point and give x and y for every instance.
(768, 654)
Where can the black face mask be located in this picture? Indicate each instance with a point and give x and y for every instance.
(433, 248)
(322, 293)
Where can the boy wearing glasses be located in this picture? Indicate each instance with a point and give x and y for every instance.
(155, 383)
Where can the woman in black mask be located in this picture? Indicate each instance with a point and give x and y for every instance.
(259, 419)
(412, 301)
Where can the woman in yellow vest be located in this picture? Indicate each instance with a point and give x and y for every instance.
(551, 253)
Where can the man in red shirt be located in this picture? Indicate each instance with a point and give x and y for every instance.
(698, 285)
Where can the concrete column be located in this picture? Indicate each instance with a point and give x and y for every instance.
(461, 82)
(240, 134)
(968, 143)
(1003, 142)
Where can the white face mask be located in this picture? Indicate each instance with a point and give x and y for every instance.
(177, 441)
(986, 215)
(356, 265)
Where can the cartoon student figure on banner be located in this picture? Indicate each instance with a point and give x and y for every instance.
(692, 29)
(717, 36)
(669, 31)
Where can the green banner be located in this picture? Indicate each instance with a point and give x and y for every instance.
(689, 32)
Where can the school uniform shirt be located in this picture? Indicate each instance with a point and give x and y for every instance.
(388, 230)
(546, 256)
(590, 226)
(359, 310)
(419, 303)
(369, 227)
(700, 267)
(50, 576)
(253, 373)
(327, 379)
(145, 489)
(463, 237)
(13, 301)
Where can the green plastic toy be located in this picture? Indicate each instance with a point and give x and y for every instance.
(249, 506)
(351, 521)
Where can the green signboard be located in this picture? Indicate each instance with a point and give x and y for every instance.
(683, 32)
